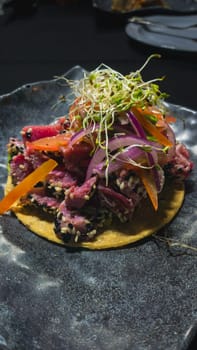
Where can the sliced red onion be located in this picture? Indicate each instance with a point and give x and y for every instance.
(83, 132)
(122, 129)
(152, 157)
(97, 163)
(129, 153)
(171, 137)
(157, 171)
(116, 143)
(136, 125)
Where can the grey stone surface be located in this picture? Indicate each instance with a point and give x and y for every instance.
(142, 297)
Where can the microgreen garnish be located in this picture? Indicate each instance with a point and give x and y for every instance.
(104, 93)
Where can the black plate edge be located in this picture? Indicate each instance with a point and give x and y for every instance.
(47, 81)
(82, 69)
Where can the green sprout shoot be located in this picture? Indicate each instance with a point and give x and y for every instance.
(105, 93)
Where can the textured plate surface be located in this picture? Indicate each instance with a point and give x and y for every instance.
(149, 35)
(172, 21)
(142, 297)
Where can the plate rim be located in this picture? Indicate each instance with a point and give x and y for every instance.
(138, 26)
(82, 69)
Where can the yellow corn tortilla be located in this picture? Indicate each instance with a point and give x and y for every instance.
(145, 222)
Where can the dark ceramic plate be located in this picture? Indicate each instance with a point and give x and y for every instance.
(142, 297)
(186, 6)
(159, 35)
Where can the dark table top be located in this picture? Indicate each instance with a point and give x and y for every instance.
(54, 38)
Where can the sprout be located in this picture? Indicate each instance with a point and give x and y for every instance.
(105, 93)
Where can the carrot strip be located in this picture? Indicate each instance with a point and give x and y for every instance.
(153, 110)
(26, 185)
(152, 129)
(50, 144)
(148, 181)
(149, 184)
(156, 113)
(170, 119)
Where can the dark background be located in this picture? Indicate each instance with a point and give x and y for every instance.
(50, 40)
(46, 42)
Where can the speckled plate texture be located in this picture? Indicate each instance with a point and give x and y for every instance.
(142, 297)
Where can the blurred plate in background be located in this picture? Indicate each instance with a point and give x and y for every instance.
(165, 32)
(150, 6)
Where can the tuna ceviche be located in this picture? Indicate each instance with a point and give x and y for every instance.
(114, 148)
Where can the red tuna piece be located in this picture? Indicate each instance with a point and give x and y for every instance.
(35, 132)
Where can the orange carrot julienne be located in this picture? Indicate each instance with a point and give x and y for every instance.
(26, 185)
(152, 129)
(149, 184)
(153, 111)
(170, 119)
(148, 181)
(50, 144)
(157, 113)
